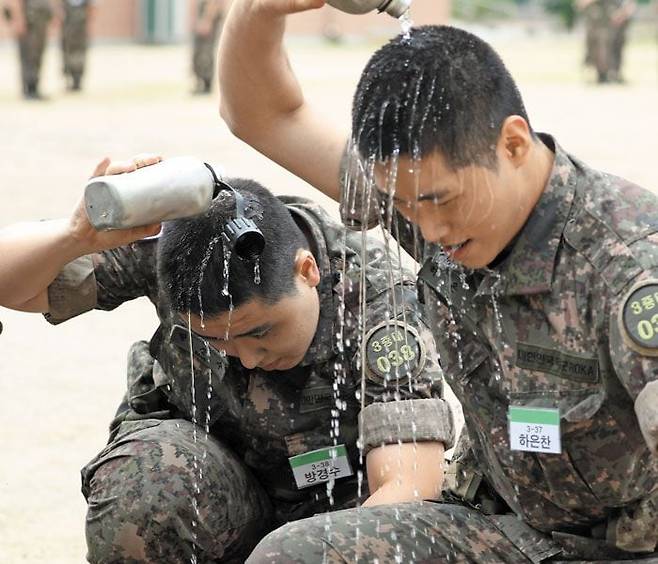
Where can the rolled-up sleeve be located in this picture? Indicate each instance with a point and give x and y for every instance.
(73, 291)
(104, 281)
(406, 421)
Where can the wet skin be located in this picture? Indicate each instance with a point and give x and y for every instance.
(472, 212)
(268, 336)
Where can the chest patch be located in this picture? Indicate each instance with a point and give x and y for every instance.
(638, 318)
(316, 398)
(394, 352)
(559, 363)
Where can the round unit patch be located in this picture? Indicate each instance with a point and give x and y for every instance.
(638, 318)
(394, 353)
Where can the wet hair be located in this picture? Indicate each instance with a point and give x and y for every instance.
(191, 254)
(439, 89)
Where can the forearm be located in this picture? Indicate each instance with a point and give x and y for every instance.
(392, 493)
(405, 472)
(262, 102)
(255, 77)
(33, 254)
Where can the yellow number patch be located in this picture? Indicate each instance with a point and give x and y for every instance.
(638, 318)
(394, 352)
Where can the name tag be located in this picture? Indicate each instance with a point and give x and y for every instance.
(533, 429)
(319, 466)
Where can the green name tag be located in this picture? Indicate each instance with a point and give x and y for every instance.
(533, 429)
(320, 466)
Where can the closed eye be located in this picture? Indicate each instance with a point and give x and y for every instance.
(257, 332)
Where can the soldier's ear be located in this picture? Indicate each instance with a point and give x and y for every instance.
(515, 140)
(306, 268)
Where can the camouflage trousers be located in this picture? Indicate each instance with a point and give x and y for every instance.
(156, 495)
(32, 44)
(74, 40)
(203, 54)
(419, 533)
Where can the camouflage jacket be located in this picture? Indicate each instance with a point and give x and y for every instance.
(545, 328)
(267, 417)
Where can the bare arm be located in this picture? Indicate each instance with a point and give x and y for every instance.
(261, 100)
(34, 253)
(405, 472)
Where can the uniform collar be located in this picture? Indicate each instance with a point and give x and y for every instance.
(529, 267)
(322, 347)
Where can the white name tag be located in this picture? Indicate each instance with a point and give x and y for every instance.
(319, 466)
(534, 429)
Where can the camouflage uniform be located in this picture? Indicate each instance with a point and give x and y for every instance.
(540, 329)
(32, 43)
(74, 40)
(180, 490)
(604, 42)
(204, 48)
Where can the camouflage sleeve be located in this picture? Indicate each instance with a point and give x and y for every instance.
(404, 384)
(103, 281)
(634, 339)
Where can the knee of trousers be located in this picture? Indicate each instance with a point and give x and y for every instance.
(159, 488)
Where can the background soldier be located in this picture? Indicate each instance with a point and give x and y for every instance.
(31, 18)
(206, 33)
(606, 23)
(77, 15)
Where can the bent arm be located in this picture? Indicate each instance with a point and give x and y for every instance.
(262, 101)
(405, 472)
(32, 256)
(33, 253)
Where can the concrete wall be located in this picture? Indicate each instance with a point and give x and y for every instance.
(122, 19)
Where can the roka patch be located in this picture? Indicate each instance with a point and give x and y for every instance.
(638, 318)
(563, 364)
(394, 352)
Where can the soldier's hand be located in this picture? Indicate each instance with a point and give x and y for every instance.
(283, 7)
(82, 231)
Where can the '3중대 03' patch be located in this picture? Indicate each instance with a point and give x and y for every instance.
(638, 318)
(394, 352)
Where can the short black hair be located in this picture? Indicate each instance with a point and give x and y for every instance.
(438, 89)
(191, 259)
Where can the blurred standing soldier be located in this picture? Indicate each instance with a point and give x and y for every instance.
(75, 27)
(206, 32)
(30, 22)
(606, 22)
(621, 18)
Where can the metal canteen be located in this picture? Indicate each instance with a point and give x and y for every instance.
(174, 188)
(394, 8)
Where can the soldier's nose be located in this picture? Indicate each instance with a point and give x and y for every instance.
(432, 230)
(250, 358)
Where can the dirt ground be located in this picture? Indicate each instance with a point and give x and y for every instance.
(60, 386)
